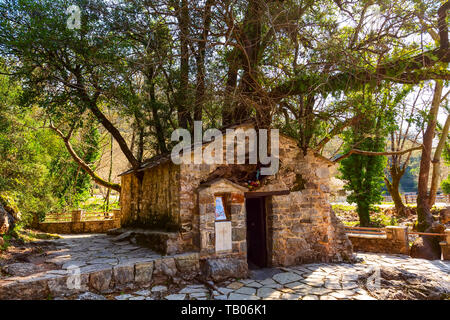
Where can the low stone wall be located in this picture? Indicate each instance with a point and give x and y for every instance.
(394, 241)
(71, 227)
(76, 225)
(101, 278)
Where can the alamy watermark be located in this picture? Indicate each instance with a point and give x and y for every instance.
(74, 20)
(240, 145)
(73, 281)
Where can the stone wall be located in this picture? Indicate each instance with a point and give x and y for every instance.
(152, 201)
(101, 278)
(302, 226)
(223, 264)
(79, 227)
(394, 241)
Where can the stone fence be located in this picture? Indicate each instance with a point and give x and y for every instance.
(391, 239)
(79, 221)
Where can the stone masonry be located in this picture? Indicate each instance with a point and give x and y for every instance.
(395, 240)
(98, 264)
(301, 225)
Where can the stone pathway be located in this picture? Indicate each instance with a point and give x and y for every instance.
(94, 255)
(84, 264)
(308, 282)
(89, 251)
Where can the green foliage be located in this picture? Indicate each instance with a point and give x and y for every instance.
(445, 185)
(36, 172)
(74, 185)
(364, 174)
(97, 205)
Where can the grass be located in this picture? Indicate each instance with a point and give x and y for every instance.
(343, 207)
(378, 217)
(25, 236)
(95, 204)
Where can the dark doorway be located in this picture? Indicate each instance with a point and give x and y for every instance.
(256, 232)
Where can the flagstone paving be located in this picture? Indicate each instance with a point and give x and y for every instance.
(308, 282)
(318, 281)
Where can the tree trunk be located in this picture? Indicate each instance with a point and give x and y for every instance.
(251, 42)
(363, 213)
(393, 188)
(424, 217)
(437, 162)
(233, 67)
(200, 90)
(184, 116)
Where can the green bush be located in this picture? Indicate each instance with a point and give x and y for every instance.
(445, 185)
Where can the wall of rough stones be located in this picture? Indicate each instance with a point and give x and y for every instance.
(234, 261)
(154, 201)
(394, 241)
(302, 226)
(79, 227)
(101, 278)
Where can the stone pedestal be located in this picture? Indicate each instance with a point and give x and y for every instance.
(116, 214)
(399, 237)
(445, 246)
(77, 215)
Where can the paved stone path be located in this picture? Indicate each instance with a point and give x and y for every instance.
(88, 251)
(319, 281)
(306, 282)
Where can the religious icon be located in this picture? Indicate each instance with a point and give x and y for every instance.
(220, 209)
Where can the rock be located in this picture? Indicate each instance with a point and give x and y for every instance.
(237, 296)
(188, 265)
(124, 236)
(124, 297)
(58, 286)
(34, 289)
(286, 277)
(246, 290)
(143, 293)
(123, 275)
(166, 267)
(427, 247)
(444, 215)
(176, 297)
(327, 298)
(143, 272)
(73, 264)
(268, 293)
(159, 289)
(310, 297)
(90, 296)
(100, 280)
(225, 268)
(7, 220)
(235, 285)
(22, 269)
(198, 296)
(194, 289)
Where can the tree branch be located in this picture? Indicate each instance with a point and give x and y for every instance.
(372, 153)
(81, 163)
